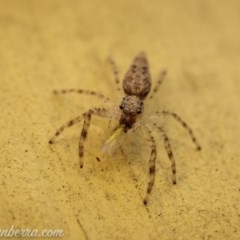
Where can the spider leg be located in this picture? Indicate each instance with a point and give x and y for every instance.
(82, 91)
(185, 125)
(152, 163)
(66, 125)
(169, 152)
(159, 82)
(101, 112)
(115, 72)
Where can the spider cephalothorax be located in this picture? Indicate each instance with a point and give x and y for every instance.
(131, 107)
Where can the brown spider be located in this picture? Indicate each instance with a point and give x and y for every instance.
(136, 85)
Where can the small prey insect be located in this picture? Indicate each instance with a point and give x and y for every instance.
(136, 86)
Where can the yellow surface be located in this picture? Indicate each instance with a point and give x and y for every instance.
(46, 45)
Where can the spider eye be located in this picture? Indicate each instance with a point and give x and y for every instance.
(121, 107)
(139, 112)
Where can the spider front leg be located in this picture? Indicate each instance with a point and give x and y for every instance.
(83, 136)
(87, 120)
(169, 152)
(64, 126)
(152, 163)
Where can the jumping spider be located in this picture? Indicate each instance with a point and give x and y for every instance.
(136, 86)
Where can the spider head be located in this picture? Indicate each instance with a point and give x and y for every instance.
(131, 105)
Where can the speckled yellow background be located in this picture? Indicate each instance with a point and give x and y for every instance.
(55, 44)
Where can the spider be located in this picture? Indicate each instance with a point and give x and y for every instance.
(136, 86)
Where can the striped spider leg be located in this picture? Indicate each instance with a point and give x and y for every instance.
(167, 141)
(184, 125)
(86, 117)
(83, 91)
(115, 72)
(168, 149)
(152, 166)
